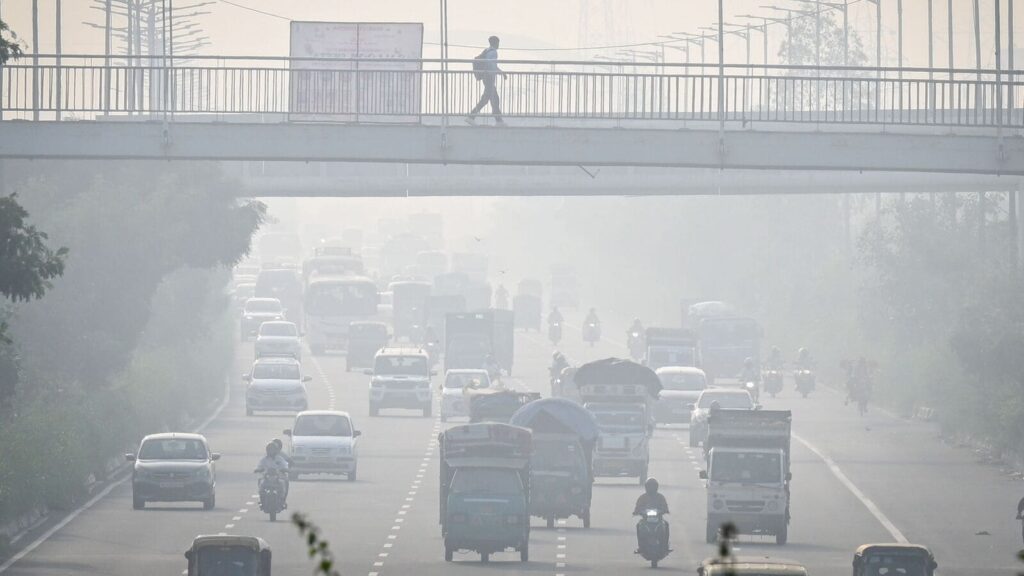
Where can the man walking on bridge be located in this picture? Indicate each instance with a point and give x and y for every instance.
(485, 68)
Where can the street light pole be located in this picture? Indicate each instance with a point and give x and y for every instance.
(35, 59)
(721, 81)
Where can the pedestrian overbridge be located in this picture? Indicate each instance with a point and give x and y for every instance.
(577, 114)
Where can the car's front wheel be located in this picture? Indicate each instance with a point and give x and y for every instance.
(138, 503)
(210, 502)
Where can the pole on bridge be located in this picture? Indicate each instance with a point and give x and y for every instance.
(931, 58)
(35, 59)
(1011, 76)
(721, 81)
(107, 53)
(977, 54)
(999, 75)
(60, 82)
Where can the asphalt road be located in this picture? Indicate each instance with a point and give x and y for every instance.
(855, 480)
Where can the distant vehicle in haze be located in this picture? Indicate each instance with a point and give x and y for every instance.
(409, 302)
(727, 398)
(278, 338)
(400, 378)
(276, 384)
(681, 386)
(279, 247)
(241, 293)
(285, 285)
(669, 347)
(257, 311)
(893, 558)
(454, 401)
(323, 442)
(332, 303)
(365, 339)
(725, 342)
(564, 290)
(528, 304)
(228, 554)
(174, 467)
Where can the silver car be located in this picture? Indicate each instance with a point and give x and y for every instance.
(174, 467)
(278, 338)
(276, 384)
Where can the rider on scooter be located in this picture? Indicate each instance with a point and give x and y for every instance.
(651, 499)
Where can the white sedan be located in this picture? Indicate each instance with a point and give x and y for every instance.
(278, 338)
(454, 402)
(323, 442)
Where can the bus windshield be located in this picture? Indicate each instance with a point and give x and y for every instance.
(342, 298)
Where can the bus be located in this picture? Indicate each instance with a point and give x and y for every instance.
(331, 304)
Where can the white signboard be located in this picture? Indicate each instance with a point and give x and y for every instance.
(350, 91)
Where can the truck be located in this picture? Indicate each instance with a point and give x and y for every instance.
(670, 347)
(562, 461)
(620, 393)
(748, 472)
(485, 489)
(470, 337)
(725, 343)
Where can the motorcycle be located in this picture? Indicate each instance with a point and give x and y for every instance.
(636, 345)
(652, 543)
(773, 381)
(754, 390)
(804, 379)
(591, 333)
(555, 332)
(272, 493)
(433, 350)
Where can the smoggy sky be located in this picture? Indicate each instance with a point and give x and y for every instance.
(523, 23)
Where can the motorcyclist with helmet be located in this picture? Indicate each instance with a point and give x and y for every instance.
(651, 499)
(273, 461)
(750, 371)
(635, 339)
(775, 361)
(803, 359)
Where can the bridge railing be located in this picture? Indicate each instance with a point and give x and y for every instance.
(353, 90)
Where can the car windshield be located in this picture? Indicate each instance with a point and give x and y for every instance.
(464, 380)
(227, 561)
(173, 449)
(322, 425)
(682, 381)
(275, 329)
(889, 565)
(271, 306)
(401, 365)
(267, 371)
(746, 467)
(486, 481)
(728, 400)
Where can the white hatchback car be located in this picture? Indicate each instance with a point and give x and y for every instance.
(454, 402)
(278, 338)
(323, 442)
(276, 384)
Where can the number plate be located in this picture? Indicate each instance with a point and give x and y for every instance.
(172, 484)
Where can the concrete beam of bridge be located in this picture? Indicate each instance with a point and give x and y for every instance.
(419, 144)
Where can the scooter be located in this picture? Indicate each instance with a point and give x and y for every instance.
(773, 381)
(555, 332)
(591, 333)
(651, 531)
(636, 345)
(804, 379)
(754, 390)
(272, 493)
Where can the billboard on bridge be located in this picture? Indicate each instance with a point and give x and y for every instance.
(331, 79)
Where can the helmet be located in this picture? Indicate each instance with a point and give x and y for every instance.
(802, 352)
(636, 320)
(277, 442)
(651, 486)
(271, 449)
(716, 405)
(748, 362)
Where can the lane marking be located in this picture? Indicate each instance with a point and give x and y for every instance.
(845, 481)
(103, 493)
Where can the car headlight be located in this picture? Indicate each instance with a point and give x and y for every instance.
(202, 473)
(344, 450)
(247, 317)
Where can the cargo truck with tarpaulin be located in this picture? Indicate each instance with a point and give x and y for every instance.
(561, 464)
(485, 489)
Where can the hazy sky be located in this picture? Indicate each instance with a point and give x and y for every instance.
(521, 23)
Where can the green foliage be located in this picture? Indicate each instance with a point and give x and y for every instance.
(27, 263)
(10, 46)
(317, 546)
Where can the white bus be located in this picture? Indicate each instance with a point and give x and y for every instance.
(331, 303)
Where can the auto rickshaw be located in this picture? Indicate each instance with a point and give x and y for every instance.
(216, 555)
(364, 340)
(902, 559)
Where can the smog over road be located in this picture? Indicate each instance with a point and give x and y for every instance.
(590, 287)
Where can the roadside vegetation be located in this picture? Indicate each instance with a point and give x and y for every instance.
(132, 335)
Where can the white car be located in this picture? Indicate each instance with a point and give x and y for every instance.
(727, 398)
(276, 384)
(680, 387)
(454, 402)
(323, 442)
(400, 378)
(257, 311)
(278, 338)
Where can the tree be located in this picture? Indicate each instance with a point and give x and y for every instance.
(27, 264)
(10, 46)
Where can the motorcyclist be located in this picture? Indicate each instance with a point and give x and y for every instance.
(558, 363)
(555, 317)
(592, 318)
(774, 359)
(280, 452)
(750, 371)
(651, 499)
(803, 359)
(273, 461)
(636, 327)
(501, 298)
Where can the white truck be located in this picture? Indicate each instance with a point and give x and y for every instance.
(748, 475)
(619, 394)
